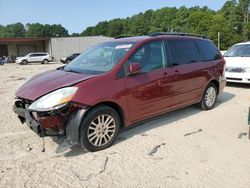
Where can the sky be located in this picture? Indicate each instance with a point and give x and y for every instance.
(77, 15)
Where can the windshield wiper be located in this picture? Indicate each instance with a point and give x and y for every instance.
(72, 70)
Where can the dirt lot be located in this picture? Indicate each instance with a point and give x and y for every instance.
(184, 148)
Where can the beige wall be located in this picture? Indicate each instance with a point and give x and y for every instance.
(61, 47)
(58, 47)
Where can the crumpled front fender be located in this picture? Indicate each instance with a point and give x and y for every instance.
(73, 125)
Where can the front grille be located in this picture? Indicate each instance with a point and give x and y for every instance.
(237, 79)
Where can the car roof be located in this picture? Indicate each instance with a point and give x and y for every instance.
(157, 35)
(242, 43)
(130, 39)
(38, 53)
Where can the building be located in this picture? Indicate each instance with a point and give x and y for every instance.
(56, 47)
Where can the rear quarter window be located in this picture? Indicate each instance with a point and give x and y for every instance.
(208, 50)
(42, 54)
(183, 52)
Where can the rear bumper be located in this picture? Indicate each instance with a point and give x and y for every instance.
(222, 83)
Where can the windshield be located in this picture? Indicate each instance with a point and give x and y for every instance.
(99, 59)
(238, 51)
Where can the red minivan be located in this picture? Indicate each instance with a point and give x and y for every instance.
(115, 84)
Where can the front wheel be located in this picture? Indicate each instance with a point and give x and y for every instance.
(209, 97)
(99, 129)
(24, 62)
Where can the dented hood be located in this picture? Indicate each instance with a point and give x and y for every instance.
(46, 82)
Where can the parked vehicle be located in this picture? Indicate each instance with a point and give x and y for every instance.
(223, 52)
(238, 63)
(116, 84)
(248, 119)
(37, 57)
(1, 61)
(66, 60)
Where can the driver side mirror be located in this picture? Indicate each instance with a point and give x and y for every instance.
(134, 68)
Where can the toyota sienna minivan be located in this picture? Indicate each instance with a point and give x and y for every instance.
(116, 84)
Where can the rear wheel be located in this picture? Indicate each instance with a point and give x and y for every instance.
(45, 61)
(209, 97)
(99, 129)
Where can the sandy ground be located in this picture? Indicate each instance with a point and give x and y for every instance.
(184, 148)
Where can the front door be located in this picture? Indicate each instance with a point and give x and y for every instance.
(149, 92)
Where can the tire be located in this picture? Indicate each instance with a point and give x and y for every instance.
(209, 97)
(45, 61)
(24, 62)
(99, 128)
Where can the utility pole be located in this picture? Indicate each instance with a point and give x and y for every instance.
(219, 40)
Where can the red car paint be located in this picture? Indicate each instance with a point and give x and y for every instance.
(46, 82)
(139, 97)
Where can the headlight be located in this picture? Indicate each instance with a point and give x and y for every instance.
(247, 70)
(53, 100)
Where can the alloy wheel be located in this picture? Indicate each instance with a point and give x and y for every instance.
(210, 96)
(101, 130)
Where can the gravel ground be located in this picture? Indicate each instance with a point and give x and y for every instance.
(184, 148)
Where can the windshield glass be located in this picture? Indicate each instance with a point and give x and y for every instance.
(99, 59)
(238, 51)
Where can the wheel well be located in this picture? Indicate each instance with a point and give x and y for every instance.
(216, 83)
(117, 108)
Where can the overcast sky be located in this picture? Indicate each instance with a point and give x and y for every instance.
(77, 15)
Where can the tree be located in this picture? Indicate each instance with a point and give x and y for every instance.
(57, 30)
(75, 35)
(35, 30)
(39, 30)
(243, 11)
(12, 30)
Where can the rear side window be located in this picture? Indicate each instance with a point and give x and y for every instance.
(183, 52)
(41, 54)
(208, 50)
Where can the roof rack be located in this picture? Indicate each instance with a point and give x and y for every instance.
(123, 36)
(175, 33)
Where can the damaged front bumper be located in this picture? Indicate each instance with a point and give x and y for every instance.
(25, 117)
(58, 122)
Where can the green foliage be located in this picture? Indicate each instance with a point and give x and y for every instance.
(33, 30)
(12, 30)
(39, 30)
(231, 21)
